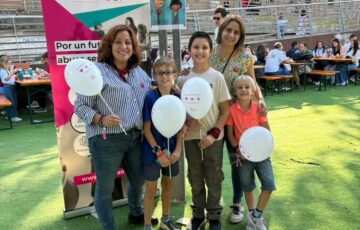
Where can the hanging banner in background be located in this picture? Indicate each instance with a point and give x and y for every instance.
(73, 30)
(167, 14)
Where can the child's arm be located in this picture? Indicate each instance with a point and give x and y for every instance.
(179, 139)
(265, 125)
(230, 135)
(164, 161)
(209, 139)
(11, 74)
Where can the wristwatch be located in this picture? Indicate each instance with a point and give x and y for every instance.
(156, 149)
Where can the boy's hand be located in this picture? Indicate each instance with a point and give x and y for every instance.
(174, 157)
(206, 142)
(193, 124)
(184, 72)
(164, 161)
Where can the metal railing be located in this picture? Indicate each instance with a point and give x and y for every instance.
(23, 38)
(321, 17)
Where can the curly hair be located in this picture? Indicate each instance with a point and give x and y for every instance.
(105, 49)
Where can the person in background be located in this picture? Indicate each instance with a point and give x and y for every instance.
(302, 23)
(347, 45)
(250, 51)
(98, 30)
(243, 115)
(275, 64)
(274, 59)
(354, 54)
(115, 136)
(294, 49)
(304, 55)
(219, 16)
(154, 148)
(8, 77)
(336, 51)
(129, 21)
(261, 53)
(281, 22)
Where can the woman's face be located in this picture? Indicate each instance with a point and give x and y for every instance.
(231, 34)
(320, 45)
(334, 44)
(127, 22)
(122, 47)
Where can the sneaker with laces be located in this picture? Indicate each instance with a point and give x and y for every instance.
(255, 223)
(237, 214)
(215, 225)
(195, 223)
(40, 110)
(168, 224)
(34, 105)
(16, 119)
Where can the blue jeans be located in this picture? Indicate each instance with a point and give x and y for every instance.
(235, 175)
(117, 150)
(10, 94)
(342, 76)
(264, 172)
(281, 71)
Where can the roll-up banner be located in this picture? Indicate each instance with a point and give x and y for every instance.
(73, 29)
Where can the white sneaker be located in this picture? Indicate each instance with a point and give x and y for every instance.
(317, 83)
(255, 223)
(237, 214)
(16, 119)
(34, 105)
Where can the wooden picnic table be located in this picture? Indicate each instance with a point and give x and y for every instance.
(34, 86)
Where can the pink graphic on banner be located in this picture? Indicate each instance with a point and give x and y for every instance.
(91, 177)
(67, 28)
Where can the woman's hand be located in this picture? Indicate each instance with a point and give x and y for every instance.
(262, 107)
(164, 161)
(111, 121)
(184, 72)
(206, 142)
(193, 124)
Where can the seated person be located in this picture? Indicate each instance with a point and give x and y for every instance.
(275, 61)
(293, 50)
(354, 54)
(304, 55)
(336, 51)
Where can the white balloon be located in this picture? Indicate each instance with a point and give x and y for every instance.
(256, 144)
(168, 115)
(197, 97)
(83, 77)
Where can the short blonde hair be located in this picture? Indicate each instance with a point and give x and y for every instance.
(243, 78)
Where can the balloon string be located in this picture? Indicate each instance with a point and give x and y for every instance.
(168, 140)
(112, 113)
(202, 151)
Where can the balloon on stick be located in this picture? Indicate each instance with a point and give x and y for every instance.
(256, 144)
(197, 97)
(168, 115)
(83, 77)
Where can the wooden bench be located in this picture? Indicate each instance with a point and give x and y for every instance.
(4, 104)
(357, 77)
(273, 78)
(322, 74)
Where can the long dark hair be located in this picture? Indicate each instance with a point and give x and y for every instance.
(356, 47)
(323, 46)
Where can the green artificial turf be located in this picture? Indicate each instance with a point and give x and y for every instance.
(316, 165)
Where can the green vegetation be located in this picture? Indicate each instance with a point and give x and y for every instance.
(316, 164)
